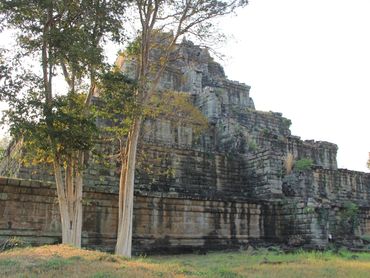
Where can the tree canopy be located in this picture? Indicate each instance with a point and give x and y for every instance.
(65, 40)
(162, 23)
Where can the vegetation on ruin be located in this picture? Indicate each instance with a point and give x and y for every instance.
(66, 261)
(349, 218)
(303, 164)
(291, 164)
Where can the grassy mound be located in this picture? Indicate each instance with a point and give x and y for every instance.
(66, 261)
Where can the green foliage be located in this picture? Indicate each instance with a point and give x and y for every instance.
(252, 145)
(117, 103)
(133, 48)
(76, 31)
(225, 272)
(45, 131)
(303, 164)
(67, 37)
(349, 218)
(8, 263)
(308, 210)
(55, 263)
(350, 208)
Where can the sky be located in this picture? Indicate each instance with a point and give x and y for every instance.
(309, 60)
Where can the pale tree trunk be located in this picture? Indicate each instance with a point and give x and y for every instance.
(69, 192)
(126, 193)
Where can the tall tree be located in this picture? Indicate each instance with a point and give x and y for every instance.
(183, 17)
(66, 36)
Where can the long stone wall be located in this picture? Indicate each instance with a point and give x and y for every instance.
(337, 186)
(29, 210)
(341, 186)
(178, 172)
(189, 199)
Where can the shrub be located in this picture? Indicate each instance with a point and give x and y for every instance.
(309, 210)
(349, 220)
(303, 164)
(252, 145)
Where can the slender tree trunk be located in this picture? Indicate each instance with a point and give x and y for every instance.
(70, 199)
(126, 193)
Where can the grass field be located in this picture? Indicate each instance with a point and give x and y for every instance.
(66, 261)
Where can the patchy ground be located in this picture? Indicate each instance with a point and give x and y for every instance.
(66, 261)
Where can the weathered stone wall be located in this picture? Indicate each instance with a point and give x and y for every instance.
(341, 186)
(189, 210)
(335, 186)
(29, 210)
(162, 223)
(197, 174)
(180, 171)
(322, 153)
(320, 202)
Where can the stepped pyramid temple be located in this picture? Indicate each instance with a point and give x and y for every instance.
(229, 187)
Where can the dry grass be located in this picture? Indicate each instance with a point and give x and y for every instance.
(66, 261)
(288, 163)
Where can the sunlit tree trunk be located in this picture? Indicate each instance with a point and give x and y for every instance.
(126, 193)
(70, 198)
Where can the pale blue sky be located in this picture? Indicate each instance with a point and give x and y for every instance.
(309, 60)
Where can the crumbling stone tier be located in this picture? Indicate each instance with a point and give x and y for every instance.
(227, 188)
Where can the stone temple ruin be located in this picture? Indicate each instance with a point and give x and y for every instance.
(227, 188)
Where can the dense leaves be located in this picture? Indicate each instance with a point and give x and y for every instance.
(117, 103)
(67, 37)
